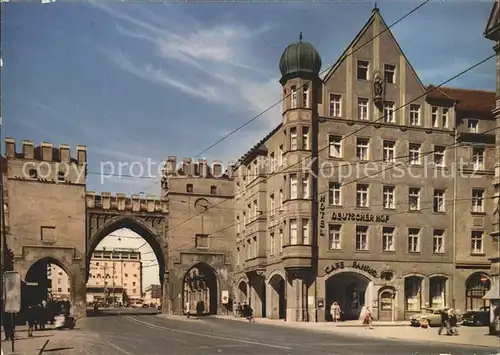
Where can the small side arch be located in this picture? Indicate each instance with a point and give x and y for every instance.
(413, 274)
(275, 272)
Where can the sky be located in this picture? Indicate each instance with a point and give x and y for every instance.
(140, 82)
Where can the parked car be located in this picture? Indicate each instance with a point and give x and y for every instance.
(433, 317)
(477, 317)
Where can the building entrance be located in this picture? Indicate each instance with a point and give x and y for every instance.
(278, 297)
(476, 287)
(349, 290)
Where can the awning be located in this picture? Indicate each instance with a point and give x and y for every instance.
(493, 293)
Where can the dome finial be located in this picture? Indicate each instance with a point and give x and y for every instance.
(300, 37)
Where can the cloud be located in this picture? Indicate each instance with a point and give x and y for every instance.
(218, 54)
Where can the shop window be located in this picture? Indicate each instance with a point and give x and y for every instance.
(413, 293)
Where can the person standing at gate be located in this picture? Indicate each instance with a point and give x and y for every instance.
(187, 308)
(335, 312)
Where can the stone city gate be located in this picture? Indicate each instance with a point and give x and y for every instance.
(145, 216)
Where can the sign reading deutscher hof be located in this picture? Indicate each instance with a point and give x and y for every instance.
(359, 217)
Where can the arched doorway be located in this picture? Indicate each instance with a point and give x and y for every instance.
(47, 279)
(437, 292)
(200, 284)
(386, 298)
(278, 297)
(476, 287)
(413, 295)
(242, 295)
(125, 265)
(349, 290)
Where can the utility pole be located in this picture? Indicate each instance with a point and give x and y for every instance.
(114, 299)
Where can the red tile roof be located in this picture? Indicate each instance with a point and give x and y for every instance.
(471, 101)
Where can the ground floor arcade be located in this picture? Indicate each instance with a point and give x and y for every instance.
(392, 292)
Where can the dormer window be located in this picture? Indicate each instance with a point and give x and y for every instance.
(306, 96)
(189, 188)
(294, 96)
(213, 190)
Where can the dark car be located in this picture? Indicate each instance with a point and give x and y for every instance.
(479, 317)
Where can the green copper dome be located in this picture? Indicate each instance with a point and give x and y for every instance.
(300, 59)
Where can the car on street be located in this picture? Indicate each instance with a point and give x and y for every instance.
(477, 317)
(432, 315)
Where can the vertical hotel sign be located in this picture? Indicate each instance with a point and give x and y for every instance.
(322, 208)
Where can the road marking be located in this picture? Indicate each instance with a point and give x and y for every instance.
(208, 335)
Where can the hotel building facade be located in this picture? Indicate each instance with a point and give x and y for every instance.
(375, 190)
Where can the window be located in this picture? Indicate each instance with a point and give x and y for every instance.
(271, 205)
(293, 138)
(439, 152)
(415, 115)
(434, 115)
(477, 245)
(414, 240)
(213, 190)
(477, 200)
(293, 186)
(439, 205)
(478, 158)
(293, 231)
(362, 148)
(414, 199)
(271, 244)
(238, 224)
(361, 195)
(413, 293)
(388, 192)
(361, 238)
(363, 67)
(389, 151)
(414, 153)
(388, 239)
(305, 96)
(255, 210)
(305, 231)
(201, 241)
(472, 126)
(390, 73)
(362, 109)
(444, 117)
(294, 97)
(389, 112)
(255, 249)
(238, 256)
(280, 202)
(335, 105)
(272, 162)
(334, 236)
(281, 241)
(334, 197)
(335, 146)
(438, 241)
(189, 188)
(305, 187)
(280, 156)
(305, 138)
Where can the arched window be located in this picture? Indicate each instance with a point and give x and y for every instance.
(475, 288)
(189, 188)
(413, 293)
(213, 190)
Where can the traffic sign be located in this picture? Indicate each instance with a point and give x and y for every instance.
(12, 291)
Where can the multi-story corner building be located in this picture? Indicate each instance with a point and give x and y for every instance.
(492, 33)
(115, 276)
(374, 191)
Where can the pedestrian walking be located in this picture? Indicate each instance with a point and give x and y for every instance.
(236, 309)
(444, 322)
(187, 309)
(453, 319)
(31, 318)
(367, 321)
(335, 312)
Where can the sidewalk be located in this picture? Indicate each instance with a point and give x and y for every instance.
(474, 336)
(33, 346)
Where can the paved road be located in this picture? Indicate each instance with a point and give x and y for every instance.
(154, 335)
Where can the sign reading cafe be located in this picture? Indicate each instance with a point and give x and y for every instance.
(359, 217)
(355, 265)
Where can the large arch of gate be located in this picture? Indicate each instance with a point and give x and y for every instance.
(200, 286)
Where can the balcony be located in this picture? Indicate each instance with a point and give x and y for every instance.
(258, 263)
(297, 256)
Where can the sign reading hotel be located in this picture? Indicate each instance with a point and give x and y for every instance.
(355, 265)
(359, 217)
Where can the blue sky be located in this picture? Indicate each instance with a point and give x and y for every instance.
(137, 81)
